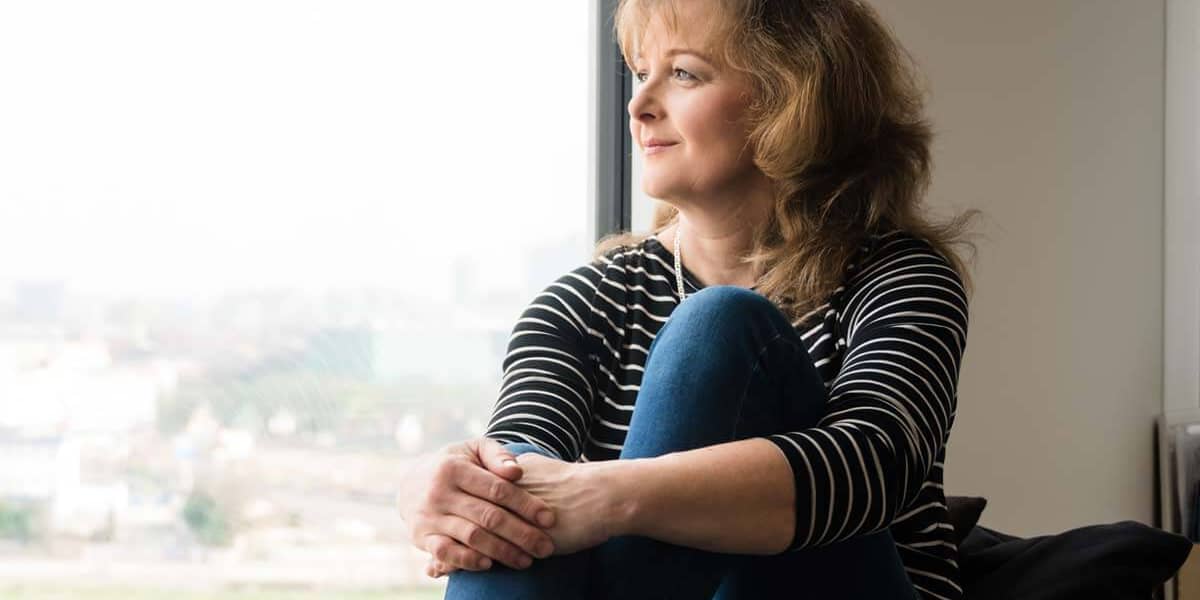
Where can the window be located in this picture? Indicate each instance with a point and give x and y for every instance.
(251, 254)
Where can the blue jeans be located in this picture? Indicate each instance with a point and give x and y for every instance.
(727, 365)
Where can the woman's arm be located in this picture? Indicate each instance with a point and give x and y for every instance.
(736, 497)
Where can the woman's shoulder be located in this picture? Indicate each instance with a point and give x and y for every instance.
(641, 255)
(886, 253)
(618, 264)
(637, 271)
(901, 270)
(630, 248)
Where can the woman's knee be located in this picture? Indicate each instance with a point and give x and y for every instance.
(726, 298)
(724, 303)
(723, 312)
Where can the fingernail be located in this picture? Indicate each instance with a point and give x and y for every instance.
(545, 518)
(510, 462)
(485, 563)
(544, 549)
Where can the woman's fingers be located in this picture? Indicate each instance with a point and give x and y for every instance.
(447, 550)
(483, 541)
(514, 535)
(496, 459)
(468, 517)
(482, 483)
(436, 568)
(443, 568)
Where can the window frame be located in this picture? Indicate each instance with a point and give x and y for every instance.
(613, 147)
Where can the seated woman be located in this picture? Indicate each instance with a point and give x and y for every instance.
(752, 400)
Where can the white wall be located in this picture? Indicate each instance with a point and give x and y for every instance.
(1049, 116)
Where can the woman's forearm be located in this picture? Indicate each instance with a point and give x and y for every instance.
(737, 497)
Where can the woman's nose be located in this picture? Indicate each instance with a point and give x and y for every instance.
(640, 109)
(642, 105)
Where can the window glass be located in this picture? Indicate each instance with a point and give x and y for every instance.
(252, 254)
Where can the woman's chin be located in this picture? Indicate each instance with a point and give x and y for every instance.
(659, 191)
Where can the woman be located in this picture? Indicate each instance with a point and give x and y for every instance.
(753, 400)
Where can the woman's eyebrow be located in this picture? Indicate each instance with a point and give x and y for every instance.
(674, 51)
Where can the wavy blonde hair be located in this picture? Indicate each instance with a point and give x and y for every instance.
(836, 122)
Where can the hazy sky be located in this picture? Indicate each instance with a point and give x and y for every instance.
(187, 147)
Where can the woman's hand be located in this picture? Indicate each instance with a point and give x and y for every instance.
(586, 510)
(581, 499)
(461, 506)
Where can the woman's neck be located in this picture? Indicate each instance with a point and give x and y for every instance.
(716, 230)
(710, 249)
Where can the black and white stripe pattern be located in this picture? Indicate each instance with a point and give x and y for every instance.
(888, 343)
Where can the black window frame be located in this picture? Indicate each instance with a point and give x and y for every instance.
(614, 88)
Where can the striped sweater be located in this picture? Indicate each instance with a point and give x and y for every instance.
(888, 344)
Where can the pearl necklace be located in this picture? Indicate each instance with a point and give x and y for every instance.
(678, 267)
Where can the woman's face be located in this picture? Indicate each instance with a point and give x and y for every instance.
(689, 102)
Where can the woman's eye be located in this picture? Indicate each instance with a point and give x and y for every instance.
(640, 76)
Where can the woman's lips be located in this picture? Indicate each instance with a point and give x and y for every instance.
(657, 149)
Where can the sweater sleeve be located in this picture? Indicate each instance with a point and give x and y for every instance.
(890, 406)
(548, 385)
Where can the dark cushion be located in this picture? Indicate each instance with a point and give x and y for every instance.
(964, 514)
(1126, 560)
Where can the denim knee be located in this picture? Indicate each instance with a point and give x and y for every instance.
(725, 310)
(727, 295)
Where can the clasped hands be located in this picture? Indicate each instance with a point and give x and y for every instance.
(472, 504)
